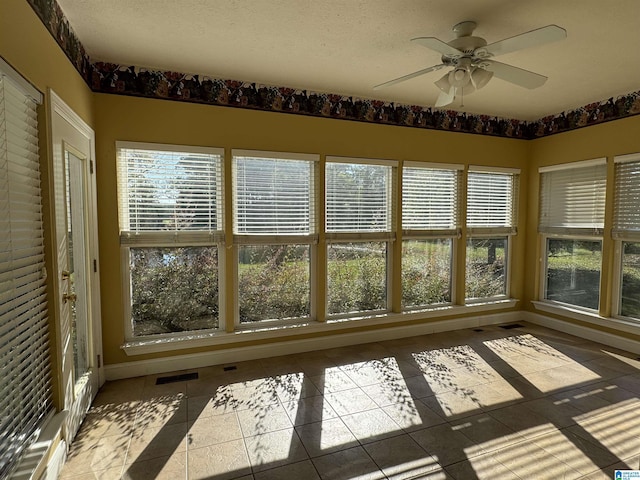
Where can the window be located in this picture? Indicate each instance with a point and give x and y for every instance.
(626, 232)
(485, 274)
(25, 390)
(357, 276)
(426, 271)
(430, 224)
(491, 220)
(573, 271)
(359, 227)
(274, 226)
(170, 213)
(572, 200)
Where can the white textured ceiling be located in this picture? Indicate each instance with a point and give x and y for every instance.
(348, 46)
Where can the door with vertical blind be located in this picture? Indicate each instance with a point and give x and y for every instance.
(25, 368)
(76, 263)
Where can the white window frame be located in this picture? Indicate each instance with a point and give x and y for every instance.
(310, 239)
(454, 234)
(496, 232)
(361, 237)
(171, 239)
(620, 238)
(567, 233)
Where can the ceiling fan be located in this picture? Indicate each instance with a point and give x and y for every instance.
(471, 59)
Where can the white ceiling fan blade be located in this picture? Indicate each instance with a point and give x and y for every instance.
(540, 36)
(438, 45)
(515, 75)
(446, 98)
(408, 77)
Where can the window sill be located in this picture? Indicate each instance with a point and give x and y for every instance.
(269, 331)
(594, 318)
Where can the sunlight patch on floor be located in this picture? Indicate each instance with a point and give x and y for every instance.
(617, 427)
(543, 366)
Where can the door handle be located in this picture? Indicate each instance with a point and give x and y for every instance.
(71, 297)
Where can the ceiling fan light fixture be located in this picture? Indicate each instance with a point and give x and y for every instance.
(459, 77)
(481, 77)
(443, 84)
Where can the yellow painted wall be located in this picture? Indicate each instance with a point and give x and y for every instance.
(147, 120)
(606, 140)
(29, 48)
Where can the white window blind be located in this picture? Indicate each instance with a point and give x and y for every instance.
(626, 218)
(572, 198)
(168, 190)
(25, 385)
(430, 198)
(491, 201)
(358, 197)
(273, 196)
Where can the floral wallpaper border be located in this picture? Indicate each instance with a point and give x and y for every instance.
(142, 82)
(54, 20)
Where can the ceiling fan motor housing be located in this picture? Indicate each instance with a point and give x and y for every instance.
(472, 49)
(468, 45)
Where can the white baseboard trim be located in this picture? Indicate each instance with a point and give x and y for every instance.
(239, 354)
(592, 334)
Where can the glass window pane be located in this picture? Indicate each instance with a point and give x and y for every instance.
(573, 198)
(273, 196)
(273, 282)
(573, 271)
(630, 302)
(429, 198)
(173, 289)
(357, 277)
(490, 199)
(486, 267)
(166, 190)
(358, 197)
(426, 272)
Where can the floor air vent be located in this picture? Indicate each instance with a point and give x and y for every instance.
(177, 378)
(511, 325)
(478, 330)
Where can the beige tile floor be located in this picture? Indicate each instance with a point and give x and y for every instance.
(527, 403)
